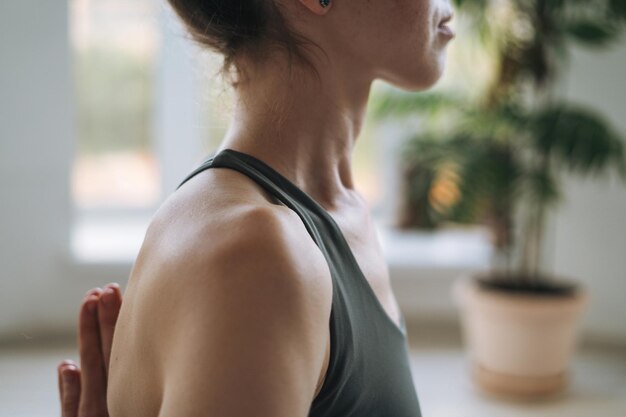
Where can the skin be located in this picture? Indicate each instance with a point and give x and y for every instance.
(83, 389)
(189, 310)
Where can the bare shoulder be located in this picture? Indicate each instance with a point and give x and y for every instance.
(226, 215)
(232, 298)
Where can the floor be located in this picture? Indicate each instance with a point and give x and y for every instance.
(598, 388)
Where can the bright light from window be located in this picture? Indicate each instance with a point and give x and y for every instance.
(115, 44)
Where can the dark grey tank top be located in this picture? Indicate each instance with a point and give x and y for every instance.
(368, 372)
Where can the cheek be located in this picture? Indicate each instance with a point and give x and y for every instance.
(420, 49)
(422, 62)
(403, 43)
(402, 22)
(414, 34)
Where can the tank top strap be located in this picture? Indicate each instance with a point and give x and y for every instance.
(369, 370)
(317, 221)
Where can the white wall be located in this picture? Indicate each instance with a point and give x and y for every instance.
(590, 227)
(35, 150)
(41, 282)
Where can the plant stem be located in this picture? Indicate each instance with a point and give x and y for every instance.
(526, 243)
(538, 233)
(538, 212)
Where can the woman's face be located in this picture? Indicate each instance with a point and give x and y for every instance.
(400, 41)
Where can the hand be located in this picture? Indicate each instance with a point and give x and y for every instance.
(83, 391)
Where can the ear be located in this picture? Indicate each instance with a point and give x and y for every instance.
(316, 7)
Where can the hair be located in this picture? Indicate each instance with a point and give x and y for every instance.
(236, 28)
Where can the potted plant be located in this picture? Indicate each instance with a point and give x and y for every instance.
(495, 159)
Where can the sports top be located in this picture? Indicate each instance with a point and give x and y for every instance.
(368, 372)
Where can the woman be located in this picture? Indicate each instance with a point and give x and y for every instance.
(267, 294)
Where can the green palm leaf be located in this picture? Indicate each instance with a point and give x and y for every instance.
(618, 9)
(592, 32)
(541, 188)
(577, 138)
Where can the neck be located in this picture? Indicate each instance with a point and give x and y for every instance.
(306, 129)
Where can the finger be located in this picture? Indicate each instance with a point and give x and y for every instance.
(70, 387)
(94, 291)
(62, 365)
(108, 311)
(60, 383)
(93, 377)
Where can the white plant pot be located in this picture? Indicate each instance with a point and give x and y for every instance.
(519, 345)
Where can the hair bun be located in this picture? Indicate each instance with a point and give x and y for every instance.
(233, 26)
(222, 25)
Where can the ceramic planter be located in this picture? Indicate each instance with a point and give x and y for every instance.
(519, 345)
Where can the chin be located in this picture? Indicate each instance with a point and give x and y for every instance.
(426, 83)
(427, 75)
(419, 77)
(418, 81)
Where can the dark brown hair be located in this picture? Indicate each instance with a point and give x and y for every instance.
(242, 27)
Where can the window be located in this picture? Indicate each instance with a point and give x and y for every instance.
(115, 44)
(116, 180)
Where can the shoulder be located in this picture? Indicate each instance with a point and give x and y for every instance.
(226, 219)
(229, 285)
(210, 241)
(253, 260)
(247, 303)
(247, 240)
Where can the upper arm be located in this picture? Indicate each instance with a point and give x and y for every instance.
(247, 332)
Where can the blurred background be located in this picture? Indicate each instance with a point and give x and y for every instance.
(105, 106)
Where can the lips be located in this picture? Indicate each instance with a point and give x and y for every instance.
(448, 17)
(443, 28)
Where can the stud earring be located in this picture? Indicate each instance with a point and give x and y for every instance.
(324, 3)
